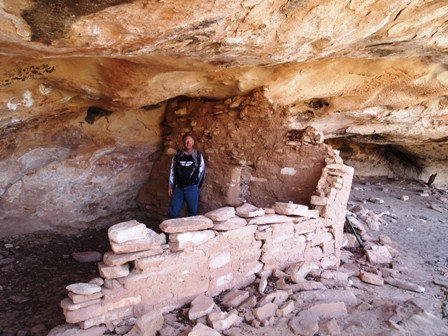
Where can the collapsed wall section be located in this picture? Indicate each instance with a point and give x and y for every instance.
(226, 248)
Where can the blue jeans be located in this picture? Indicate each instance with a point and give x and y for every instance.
(190, 194)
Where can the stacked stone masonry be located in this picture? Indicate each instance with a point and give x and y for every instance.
(224, 249)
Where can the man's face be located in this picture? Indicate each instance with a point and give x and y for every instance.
(188, 143)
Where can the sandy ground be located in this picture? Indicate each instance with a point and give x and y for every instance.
(35, 268)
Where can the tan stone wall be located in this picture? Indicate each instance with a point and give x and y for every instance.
(204, 256)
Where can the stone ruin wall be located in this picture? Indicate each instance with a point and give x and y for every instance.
(203, 256)
(250, 155)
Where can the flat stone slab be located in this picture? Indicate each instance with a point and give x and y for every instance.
(113, 272)
(379, 255)
(291, 209)
(201, 306)
(403, 284)
(223, 321)
(221, 214)
(112, 259)
(186, 224)
(270, 219)
(126, 231)
(151, 241)
(371, 278)
(234, 298)
(248, 211)
(82, 288)
(202, 330)
(184, 240)
(265, 312)
(230, 224)
(79, 298)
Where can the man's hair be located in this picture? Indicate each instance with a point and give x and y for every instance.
(188, 135)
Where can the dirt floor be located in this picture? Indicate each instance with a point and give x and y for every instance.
(36, 268)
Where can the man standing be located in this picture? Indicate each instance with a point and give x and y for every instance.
(186, 175)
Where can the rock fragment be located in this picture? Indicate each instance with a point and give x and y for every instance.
(230, 224)
(248, 211)
(304, 324)
(221, 214)
(201, 306)
(291, 209)
(202, 330)
(379, 255)
(186, 224)
(126, 231)
(371, 278)
(82, 288)
(403, 284)
(235, 298)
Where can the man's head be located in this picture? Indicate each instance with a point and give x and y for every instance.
(188, 142)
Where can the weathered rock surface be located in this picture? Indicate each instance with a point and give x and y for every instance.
(61, 164)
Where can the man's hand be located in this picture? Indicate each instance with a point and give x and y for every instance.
(170, 191)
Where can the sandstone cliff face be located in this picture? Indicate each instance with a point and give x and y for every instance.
(370, 75)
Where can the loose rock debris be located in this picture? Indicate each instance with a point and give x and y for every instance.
(380, 310)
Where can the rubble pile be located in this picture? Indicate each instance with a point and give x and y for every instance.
(199, 257)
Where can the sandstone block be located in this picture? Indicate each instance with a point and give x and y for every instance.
(71, 330)
(202, 330)
(82, 288)
(249, 303)
(270, 219)
(185, 240)
(220, 260)
(330, 261)
(126, 231)
(379, 255)
(248, 211)
(265, 312)
(277, 297)
(68, 304)
(113, 272)
(201, 306)
(331, 328)
(119, 314)
(148, 324)
(150, 241)
(185, 224)
(307, 286)
(371, 278)
(262, 284)
(306, 226)
(223, 321)
(312, 213)
(304, 324)
(328, 295)
(234, 298)
(318, 200)
(112, 259)
(88, 256)
(79, 298)
(291, 209)
(300, 270)
(329, 310)
(230, 224)
(312, 254)
(285, 309)
(403, 284)
(97, 281)
(221, 214)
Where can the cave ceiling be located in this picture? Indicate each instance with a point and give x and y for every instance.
(367, 72)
